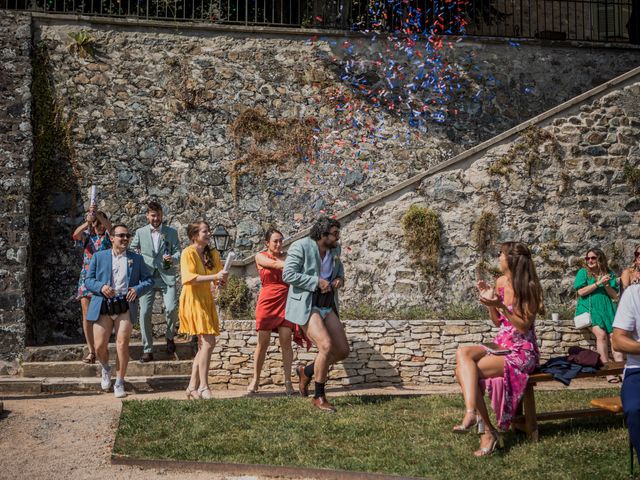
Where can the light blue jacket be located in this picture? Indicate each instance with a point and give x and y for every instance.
(99, 274)
(302, 273)
(143, 242)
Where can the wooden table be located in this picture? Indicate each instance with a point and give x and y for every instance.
(527, 418)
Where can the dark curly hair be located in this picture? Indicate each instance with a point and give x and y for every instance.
(322, 226)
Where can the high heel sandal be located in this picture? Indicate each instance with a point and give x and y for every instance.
(252, 390)
(192, 393)
(205, 393)
(496, 442)
(462, 428)
(289, 388)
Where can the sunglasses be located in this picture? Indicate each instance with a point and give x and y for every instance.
(591, 258)
(637, 254)
(123, 235)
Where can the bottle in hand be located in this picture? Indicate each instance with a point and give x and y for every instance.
(166, 264)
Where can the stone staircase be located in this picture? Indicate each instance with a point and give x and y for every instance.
(59, 368)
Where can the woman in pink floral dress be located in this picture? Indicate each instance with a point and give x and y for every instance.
(513, 306)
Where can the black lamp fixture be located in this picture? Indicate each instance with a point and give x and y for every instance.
(221, 239)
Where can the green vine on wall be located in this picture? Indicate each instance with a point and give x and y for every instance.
(527, 148)
(632, 177)
(485, 235)
(234, 299)
(421, 229)
(261, 142)
(51, 132)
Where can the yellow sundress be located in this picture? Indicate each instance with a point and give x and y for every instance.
(197, 313)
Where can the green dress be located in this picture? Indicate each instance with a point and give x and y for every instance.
(598, 303)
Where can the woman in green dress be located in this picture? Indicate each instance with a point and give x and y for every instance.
(597, 289)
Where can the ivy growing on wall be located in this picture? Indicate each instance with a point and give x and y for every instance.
(421, 230)
(234, 299)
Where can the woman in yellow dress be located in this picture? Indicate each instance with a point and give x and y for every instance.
(201, 271)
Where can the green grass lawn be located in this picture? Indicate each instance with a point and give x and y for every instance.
(398, 435)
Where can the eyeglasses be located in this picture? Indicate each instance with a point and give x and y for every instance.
(123, 235)
(591, 258)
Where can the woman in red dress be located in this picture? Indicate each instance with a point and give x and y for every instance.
(270, 310)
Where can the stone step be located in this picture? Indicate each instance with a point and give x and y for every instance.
(65, 353)
(79, 369)
(12, 384)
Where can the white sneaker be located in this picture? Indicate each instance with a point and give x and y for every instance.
(105, 382)
(118, 390)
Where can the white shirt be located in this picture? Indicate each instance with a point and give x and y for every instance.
(155, 237)
(628, 319)
(326, 267)
(119, 272)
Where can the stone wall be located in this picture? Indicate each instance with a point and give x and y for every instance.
(149, 116)
(393, 352)
(561, 189)
(16, 150)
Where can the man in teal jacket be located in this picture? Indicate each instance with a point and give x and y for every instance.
(314, 273)
(159, 246)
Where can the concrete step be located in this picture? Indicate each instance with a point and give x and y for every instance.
(139, 384)
(64, 353)
(79, 369)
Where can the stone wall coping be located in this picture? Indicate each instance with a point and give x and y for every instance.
(396, 322)
(305, 32)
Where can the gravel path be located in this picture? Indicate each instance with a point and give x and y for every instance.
(70, 436)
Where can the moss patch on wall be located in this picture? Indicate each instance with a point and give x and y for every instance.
(421, 229)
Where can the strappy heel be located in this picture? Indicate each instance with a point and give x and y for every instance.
(205, 393)
(251, 390)
(192, 393)
(478, 422)
(496, 442)
(289, 388)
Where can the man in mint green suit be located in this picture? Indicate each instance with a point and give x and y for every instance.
(314, 273)
(159, 246)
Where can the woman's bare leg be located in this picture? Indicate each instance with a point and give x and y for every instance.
(602, 345)
(208, 342)
(284, 334)
(87, 326)
(490, 366)
(468, 376)
(194, 382)
(264, 336)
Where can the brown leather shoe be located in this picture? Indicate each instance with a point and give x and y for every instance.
(146, 358)
(322, 404)
(304, 381)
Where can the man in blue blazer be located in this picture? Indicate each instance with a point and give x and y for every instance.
(314, 273)
(116, 277)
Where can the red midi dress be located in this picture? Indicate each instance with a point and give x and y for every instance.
(272, 302)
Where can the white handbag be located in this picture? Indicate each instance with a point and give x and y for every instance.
(582, 321)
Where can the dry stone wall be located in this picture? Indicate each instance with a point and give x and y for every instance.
(16, 150)
(383, 352)
(150, 116)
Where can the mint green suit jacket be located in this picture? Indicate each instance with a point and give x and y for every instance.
(143, 243)
(302, 273)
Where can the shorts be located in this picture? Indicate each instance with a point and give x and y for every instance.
(322, 311)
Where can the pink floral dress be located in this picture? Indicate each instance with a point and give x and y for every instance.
(505, 392)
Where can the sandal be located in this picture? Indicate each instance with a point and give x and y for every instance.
(205, 393)
(90, 358)
(614, 378)
(253, 387)
(289, 389)
(192, 394)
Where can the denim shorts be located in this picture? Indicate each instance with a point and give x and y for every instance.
(323, 311)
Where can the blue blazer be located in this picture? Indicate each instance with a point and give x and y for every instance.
(100, 274)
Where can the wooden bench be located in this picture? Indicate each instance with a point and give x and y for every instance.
(527, 417)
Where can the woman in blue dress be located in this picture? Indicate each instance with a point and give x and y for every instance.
(92, 236)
